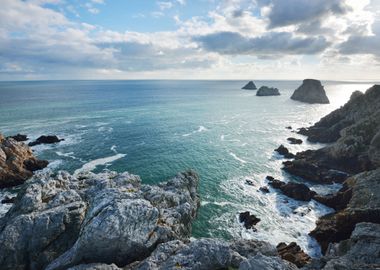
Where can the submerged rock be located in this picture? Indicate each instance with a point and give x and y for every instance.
(61, 221)
(250, 86)
(267, 91)
(282, 150)
(248, 220)
(311, 91)
(17, 162)
(49, 139)
(293, 253)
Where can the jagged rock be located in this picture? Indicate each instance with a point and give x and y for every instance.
(250, 86)
(61, 221)
(95, 266)
(363, 206)
(269, 178)
(293, 253)
(294, 190)
(294, 140)
(360, 251)
(282, 150)
(49, 139)
(248, 220)
(19, 137)
(318, 166)
(264, 189)
(208, 254)
(267, 91)
(8, 200)
(17, 162)
(311, 91)
(360, 106)
(337, 201)
(262, 262)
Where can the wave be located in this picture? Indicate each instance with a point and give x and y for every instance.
(199, 130)
(89, 166)
(237, 158)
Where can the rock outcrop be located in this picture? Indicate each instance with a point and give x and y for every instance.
(311, 91)
(19, 137)
(282, 150)
(17, 162)
(49, 139)
(248, 220)
(267, 91)
(61, 221)
(292, 140)
(360, 251)
(293, 253)
(363, 206)
(250, 86)
(296, 191)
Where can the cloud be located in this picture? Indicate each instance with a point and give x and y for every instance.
(274, 43)
(283, 13)
(164, 5)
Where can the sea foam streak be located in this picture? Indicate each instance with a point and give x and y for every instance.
(89, 166)
(200, 129)
(237, 158)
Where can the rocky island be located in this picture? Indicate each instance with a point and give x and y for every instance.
(267, 91)
(311, 91)
(249, 86)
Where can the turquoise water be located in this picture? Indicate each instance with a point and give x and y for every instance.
(157, 128)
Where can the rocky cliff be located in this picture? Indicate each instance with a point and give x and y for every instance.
(17, 162)
(311, 91)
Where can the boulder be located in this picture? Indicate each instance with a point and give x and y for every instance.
(17, 162)
(267, 91)
(311, 91)
(60, 221)
(296, 191)
(282, 150)
(294, 140)
(293, 253)
(49, 139)
(248, 220)
(264, 189)
(250, 86)
(19, 137)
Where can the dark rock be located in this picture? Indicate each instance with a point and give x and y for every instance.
(250, 86)
(338, 201)
(311, 91)
(294, 140)
(282, 150)
(8, 200)
(293, 253)
(249, 182)
(267, 91)
(288, 127)
(294, 190)
(35, 164)
(50, 139)
(19, 137)
(264, 189)
(269, 178)
(248, 219)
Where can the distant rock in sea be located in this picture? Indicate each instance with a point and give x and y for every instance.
(250, 86)
(311, 91)
(49, 139)
(17, 162)
(267, 91)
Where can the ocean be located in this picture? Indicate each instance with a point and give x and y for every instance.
(158, 128)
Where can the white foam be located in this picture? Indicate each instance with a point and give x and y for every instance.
(200, 129)
(113, 149)
(69, 155)
(237, 158)
(89, 166)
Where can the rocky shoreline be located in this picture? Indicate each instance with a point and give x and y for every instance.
(112, 221)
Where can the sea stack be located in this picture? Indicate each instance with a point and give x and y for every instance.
(250, 86)
(267, 91)
(311, 91)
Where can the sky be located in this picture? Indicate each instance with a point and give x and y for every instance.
(183, 39)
